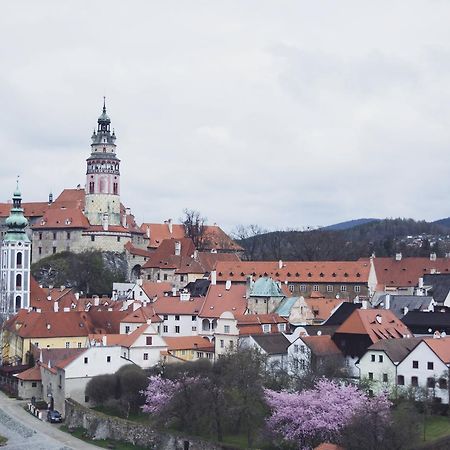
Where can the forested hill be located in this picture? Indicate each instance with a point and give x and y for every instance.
(383, 237)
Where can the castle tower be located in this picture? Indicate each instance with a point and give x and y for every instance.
(15, 257)
(103, 176)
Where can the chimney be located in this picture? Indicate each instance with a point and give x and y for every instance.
(104, 341)
(148, 232)
(432, 256)
(228, 285)
(50, 198)
(105, 221)
(420, 283)
(174, 292)
(77, 296)
(139, 281)
(136, 306)
(387, 302)
(213, 277)
(398, 256)
(177, 248)
(248, 286)
(96, 300)
(280, 264)
(124, 220)
(405, 310)
(169, 224)
(56, 307)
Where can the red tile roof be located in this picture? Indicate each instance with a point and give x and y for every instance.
(441, 347)
(164, 256)
(321, 307)
(321, 345)
(127, 340)
(71, 198)
(215, 237)
(376, 323)
(31, 209)
(407, 271)
(136, 251)
(173, 305)
(57, 217)
(219, 299)
(141, 315)
(189, 343)
(296, 271)
(31, 374)
(156, 290)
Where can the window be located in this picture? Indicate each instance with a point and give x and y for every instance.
(177, 317)
(40, 250)
(430, 365)
(86, 360)
(380, 358)
(316, 288)
(302, 364)
(165, 317)
(385, 377)
(343, 288)
(34, 384)
(181, 277)
(145, 356)
(92, 238)
(401, 380)
(165, 329)
(329, 288)
(222, 343)
(357, 288)
(303, 287)
(414, 381)
(19, 259)
(431, 382)
(442, 383)
(372, 358)
(108, 359)
(118, 238)
(291, 287)
(148, 340)
(54, 250)
(54, 236)
(18, 280)
(295, 348)
(79, 344)
(127, 329)
(165, 277)
(295, 364)
(226, 328)
(194, 318)
(194, 328)
(177, 329)
(40, 236)
(67, 344)
(370, 375)
(68, 235)
(199, 354)
(302, 349)
(415, 364)
(231, 345)
(266, 328)
(86, 398)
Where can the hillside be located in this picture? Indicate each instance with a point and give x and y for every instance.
(348, 224)
(382, 237)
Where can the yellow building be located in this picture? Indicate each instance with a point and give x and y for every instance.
(188, 348)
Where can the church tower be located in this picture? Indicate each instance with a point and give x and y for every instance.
(15, 260)
(102, 205)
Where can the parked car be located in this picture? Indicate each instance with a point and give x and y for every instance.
(54, 416)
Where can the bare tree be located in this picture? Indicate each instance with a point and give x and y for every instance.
(247, 237)
(195, 227)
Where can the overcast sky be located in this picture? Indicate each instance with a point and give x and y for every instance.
(280, 113)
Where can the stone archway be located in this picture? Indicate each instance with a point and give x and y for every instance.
(135, 272)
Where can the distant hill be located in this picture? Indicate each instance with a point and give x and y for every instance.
(349, 224)
(443, 222)
(383, 237)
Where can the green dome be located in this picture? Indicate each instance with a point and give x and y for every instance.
(16, 220)
(266, 287)
(104, 118)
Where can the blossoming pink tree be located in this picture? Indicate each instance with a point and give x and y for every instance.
(158, 394)
(318, 415)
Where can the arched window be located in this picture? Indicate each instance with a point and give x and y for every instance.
(18, 302)
(91, 187)
(18, 280)
(19, 259)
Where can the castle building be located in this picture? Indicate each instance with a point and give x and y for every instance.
(92, 218)
(15, 255)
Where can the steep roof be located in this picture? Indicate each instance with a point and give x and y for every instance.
(127, 340)
(375, 323)
(30, 209)
(141, 315)
(321, 345)
(440, 285)
(421, 322)
(215, 237)
(407, 271)
(173, 305)
(220, 299)
(164, 256)
(71, 198)
(342, 313)
(297, 271)
(266, 287)
(156, 290)
(322, 308)
(62, 217)
(396, 349)
(441, 347)
(272, 344)
(31, 374)
(136, 250)
(398, 303)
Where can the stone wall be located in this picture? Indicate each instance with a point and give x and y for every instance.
(101, 426)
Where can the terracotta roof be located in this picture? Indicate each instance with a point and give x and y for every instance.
(296, 271)
(322, 308)
(141, 315)
(136, 251)
(38, 296)
(321, 345)
(156, 290)
(209, 260)
(31, 374)
(71, 198)
(251, 324)
(62, 217)
(31, 209)
(215, 237)
(219, 299)
(441, 347)
(173, 305)
(328, 446)
(189, 343)
(164, 256)
(58, 357)
(111, 229)
(127, 340)
(376, 323)
(407, 271)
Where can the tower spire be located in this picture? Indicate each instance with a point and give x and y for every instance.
(104, 104)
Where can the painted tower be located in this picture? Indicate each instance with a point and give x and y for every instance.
(102, 204)
(15, 260)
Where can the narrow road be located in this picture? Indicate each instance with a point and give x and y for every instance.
(25, 431)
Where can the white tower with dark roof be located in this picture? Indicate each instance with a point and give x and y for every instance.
(102, 206)
(15, 257)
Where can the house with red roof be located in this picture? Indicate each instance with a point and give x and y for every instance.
(187, 348)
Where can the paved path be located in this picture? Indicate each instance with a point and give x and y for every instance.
(25, 431)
